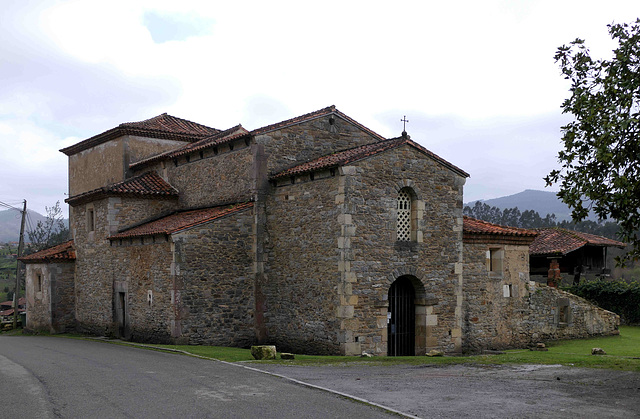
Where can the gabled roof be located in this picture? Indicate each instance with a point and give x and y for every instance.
(64, 252)
(21, 301)
(181, 220)
(162, 126)
(222, 137)
(315, 115)
(148, 184)
(478, 231)
(344, 157)
(559, 241)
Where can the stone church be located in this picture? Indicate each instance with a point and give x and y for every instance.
(314, 234)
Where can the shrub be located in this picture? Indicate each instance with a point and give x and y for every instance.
(621, 297)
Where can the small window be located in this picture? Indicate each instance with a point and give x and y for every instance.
(91, 220)
(507, 290)
(407, 215)
(38, 282)
(495, 257)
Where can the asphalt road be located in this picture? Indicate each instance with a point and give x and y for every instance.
(491, 391)
(45, 377)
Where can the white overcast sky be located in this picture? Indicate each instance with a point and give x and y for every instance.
(476, 79)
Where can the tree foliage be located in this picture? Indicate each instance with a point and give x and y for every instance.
(600, 162)
(531, 219)
(621, 297)
(50, 232)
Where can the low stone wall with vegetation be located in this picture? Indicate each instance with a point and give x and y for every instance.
(618, 296)
(556, 314)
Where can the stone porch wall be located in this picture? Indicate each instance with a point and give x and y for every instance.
(374, 259)
(302, 311)
(213, 282)
(99, 265)
(141, 269)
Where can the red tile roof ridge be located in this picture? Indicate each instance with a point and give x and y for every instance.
(145, 184)
(64, 252)
(222, 137)
(353, 154)
(474, 226)
(181, 220)
(163, 126)
(557, 240)
(314, 115)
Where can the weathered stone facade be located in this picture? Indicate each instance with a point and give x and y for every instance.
(314, 234)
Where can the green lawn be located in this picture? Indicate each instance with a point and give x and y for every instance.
(623, 353)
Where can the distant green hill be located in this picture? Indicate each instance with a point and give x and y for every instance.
(541, 201)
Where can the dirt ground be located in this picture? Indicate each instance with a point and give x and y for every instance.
(496, 391)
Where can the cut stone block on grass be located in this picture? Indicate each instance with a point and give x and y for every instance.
(263, 352)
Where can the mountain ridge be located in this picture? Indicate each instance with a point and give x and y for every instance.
(543, 202)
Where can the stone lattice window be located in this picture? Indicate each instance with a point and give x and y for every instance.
(404, 215)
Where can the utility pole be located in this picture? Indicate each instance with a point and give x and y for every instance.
(16, 294)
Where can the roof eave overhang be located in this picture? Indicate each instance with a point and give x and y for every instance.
(122, 131)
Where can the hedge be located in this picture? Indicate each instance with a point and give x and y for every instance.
(621, 297)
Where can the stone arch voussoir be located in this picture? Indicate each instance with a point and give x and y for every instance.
(408, 183)
(414, 274)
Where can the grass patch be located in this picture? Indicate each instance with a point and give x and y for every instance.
(623, 353)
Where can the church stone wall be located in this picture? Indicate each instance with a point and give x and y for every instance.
(510, 311)
(213, 282)
(139, 148)
(108, 163)
(96, 167)
(94, 276)
(225, 177)
(496, 303)
(140, 268)
(300, 143)
(302, 307)
(374, 259)
(50, 308)
(98, 264)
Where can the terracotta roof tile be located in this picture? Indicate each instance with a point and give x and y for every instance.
(147, 184)
(314, 115)
(21, 302)
(222, 137)
(357, 153)
(560, 241)
(162, 126)
(474, 226)
(180, 221)
(64, 252)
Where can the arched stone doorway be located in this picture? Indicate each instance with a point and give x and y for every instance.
(401, 327)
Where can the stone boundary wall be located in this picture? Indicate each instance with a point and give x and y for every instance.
(507, 310)
(548, 320)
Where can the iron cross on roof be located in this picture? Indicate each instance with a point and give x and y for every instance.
(404, 121)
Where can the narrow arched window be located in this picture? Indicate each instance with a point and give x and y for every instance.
(404, 226)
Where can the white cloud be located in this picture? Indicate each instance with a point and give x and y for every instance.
(476, 79)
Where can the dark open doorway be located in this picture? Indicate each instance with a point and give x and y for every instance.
(402, 318)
